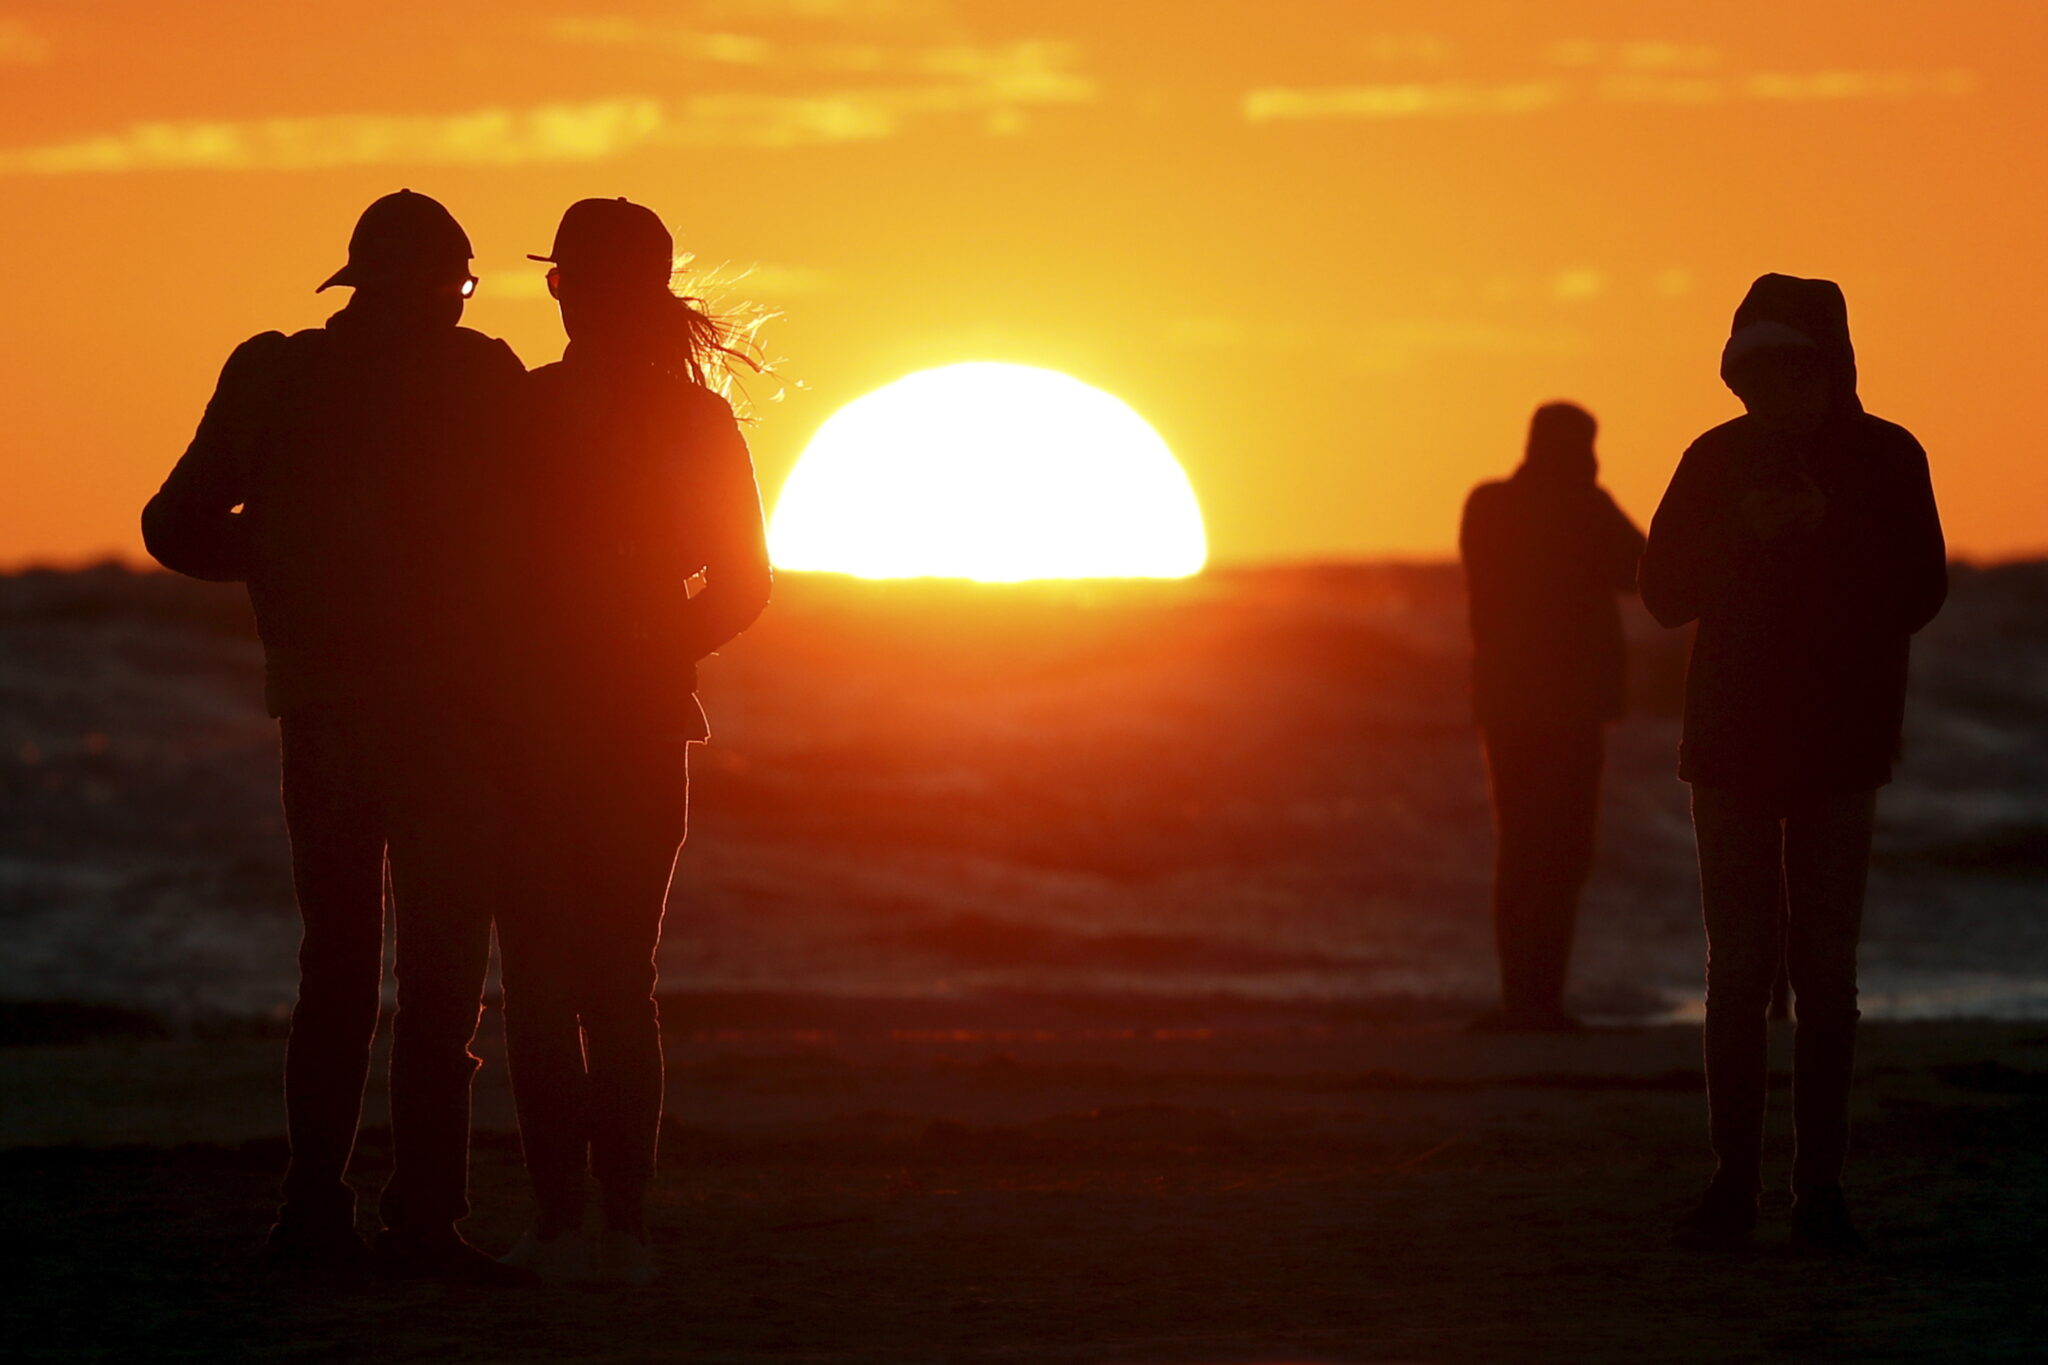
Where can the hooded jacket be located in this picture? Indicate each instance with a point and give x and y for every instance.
(361, 458)
(1546, 552)
(1798, 674)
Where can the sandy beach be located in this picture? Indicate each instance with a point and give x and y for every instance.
(852, 1181)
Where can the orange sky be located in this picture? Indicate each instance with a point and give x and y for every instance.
(1334, 251)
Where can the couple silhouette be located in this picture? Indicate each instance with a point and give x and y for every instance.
(1803, 539)
(474, 587)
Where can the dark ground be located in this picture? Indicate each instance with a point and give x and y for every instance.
(1304, 1191)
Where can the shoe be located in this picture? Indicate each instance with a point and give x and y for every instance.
(1820, 1221)
(562, 1259)
(447, 1258)
(322, 1251)
(624, 1259)
(1725, 1220)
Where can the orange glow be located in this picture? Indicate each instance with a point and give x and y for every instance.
(1335, 253)
(993, 472)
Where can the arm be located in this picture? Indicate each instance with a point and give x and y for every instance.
(191, 525)
(1479, 552)
(1681, 563)
(1621, 546)
(1919, 567)
(737, 577)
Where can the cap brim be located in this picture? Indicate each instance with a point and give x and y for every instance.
(531, 257)
(340, 276)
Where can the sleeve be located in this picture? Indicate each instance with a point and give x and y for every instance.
(1685, 555)
(1919, 568)
(1479, 550)
(1621, 547)
(737, 577)
(191, 525)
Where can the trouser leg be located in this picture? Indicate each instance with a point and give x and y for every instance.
(445, 887)
(1827, 861)
(1546, 792)
(621, 1021)
(1741, 870)
(335, 820)
(539, 937)
(622, 1031)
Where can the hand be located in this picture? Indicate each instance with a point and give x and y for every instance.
(1777, 512)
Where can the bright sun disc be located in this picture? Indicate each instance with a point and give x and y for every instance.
(993, 472)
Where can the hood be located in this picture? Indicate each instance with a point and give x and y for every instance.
(1560, 448)
(1812, 309)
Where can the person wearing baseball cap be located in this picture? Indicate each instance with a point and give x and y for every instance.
(341, 472)
(1804, 539)
(638, 481)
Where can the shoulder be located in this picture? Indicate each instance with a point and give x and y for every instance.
(1731, 435)
(701, 403)
(1889, 437)
(1488, 495)
(486, 352)
(265, 348)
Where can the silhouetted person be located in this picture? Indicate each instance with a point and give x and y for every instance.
(1803, 538)
(638, 481)
(338, 471)
(1546, 552)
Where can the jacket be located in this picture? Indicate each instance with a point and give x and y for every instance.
(1798, 674)
(345, 473)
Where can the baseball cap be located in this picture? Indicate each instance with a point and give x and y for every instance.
(614, 235)
(403, 236)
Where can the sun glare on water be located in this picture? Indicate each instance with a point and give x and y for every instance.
(993, 472)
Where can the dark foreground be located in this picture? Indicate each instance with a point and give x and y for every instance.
(1078, 1193)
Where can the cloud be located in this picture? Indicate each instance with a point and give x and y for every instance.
(21, 45)
(602, 129)
(1279, 104)
(1645, 74)
(1644, 55)
(1023, 66)
(1850, 85)
(559, 132)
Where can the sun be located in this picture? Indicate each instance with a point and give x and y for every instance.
(993, 472)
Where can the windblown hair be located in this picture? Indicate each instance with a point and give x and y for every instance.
(707, 341)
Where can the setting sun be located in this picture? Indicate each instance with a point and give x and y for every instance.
(993, 472)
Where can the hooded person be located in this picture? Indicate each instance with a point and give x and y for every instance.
(344, 473)
(1546, 553)
(1803, 539)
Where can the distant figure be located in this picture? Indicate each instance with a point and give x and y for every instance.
(337, 472)
(636, 482)
(1803, 538)
(1546, 553)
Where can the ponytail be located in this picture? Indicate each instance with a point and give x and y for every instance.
(707, 345)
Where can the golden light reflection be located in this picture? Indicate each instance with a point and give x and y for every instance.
(993, 472)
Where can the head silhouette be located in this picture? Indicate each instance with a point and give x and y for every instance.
(612, 261)
(1789, 357)
(408, 262)
(1560, 448)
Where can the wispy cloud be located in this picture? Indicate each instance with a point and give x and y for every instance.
(21, 45)
(1279, 104)
(1027, 69)
(1623, 74)
(558, 132)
